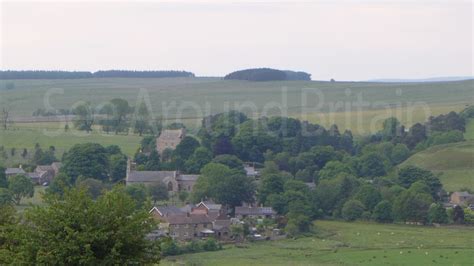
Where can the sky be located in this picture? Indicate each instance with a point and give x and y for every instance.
(340, 39)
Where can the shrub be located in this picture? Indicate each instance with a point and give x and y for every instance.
(352, 209)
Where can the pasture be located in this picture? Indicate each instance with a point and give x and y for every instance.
(359, 106)
(358, 243)
(454, 164)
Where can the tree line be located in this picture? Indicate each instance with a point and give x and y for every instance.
(46, 74)
(267, 74)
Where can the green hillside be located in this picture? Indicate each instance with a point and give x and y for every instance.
(454, 163)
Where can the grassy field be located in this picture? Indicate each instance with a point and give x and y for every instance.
(46, 134)
(340, 243)
(454, 163)
(190, 99)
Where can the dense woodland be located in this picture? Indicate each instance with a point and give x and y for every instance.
(43, 74)
(267, 74)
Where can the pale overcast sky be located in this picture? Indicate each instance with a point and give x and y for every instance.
(345, 40)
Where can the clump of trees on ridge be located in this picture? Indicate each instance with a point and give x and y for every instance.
(267, 74)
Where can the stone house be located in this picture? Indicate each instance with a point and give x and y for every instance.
(462, 198)
(201, 221)
(14, 171)
(174, 180)
(169, 139)
(45, 173)
(254, 212)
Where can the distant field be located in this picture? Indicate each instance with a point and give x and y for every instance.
(453, 162)
(22, 136)
(190, 99)
(340, 243)
(193, 98)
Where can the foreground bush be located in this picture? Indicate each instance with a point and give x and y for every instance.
(77, 230)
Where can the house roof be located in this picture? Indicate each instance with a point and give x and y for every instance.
(187, 177)
(14, 171)
(171, 134)
(56, 165)
(210, 205)
(462, 193)
(254, 211)
(167, 210)
(250, 171)
(34, 175)
(189, 219)
(44, 168)
(187, 208)
(150, 176)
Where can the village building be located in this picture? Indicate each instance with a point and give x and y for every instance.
(462, 198)
(169, 139)
(203, 220)
(174, 180)
(14, 171)
(43, 174)
(250, 170)
(254, 212)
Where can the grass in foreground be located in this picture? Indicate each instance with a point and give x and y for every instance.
(340, 243)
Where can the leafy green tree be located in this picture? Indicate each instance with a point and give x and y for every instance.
(252, 141)
(458, 215)
(3, 178)
(369, 196)
(383, 212)
(183, 195)
(141, 123)
(120, 111)
(41, 157)
(411, 174)
(200, 157)
(278, 202)
(297, 224)
(93, 186)
(158, 192)
(270, 184)
(412, 205)
(400, 153)
(352, 210)
(186, 148)
(224, 185)
(138, 193)
(117, 167)
(88, 160)
(332, 169)
(59, 185)
(84, 117)
(437, 214)
(20, 186)
(153, 161)
(79, 230)
(222, 145)
(392, 128)
(6, 197)
(372, 165)
(231, 161)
